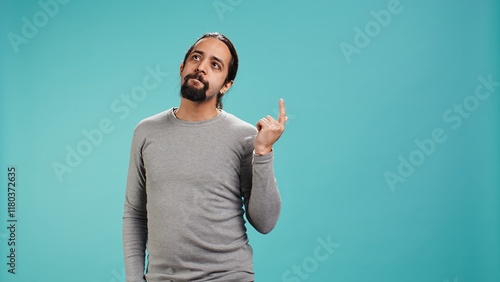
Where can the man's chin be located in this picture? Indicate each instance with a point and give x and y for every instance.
(192, 99)
(193, 96)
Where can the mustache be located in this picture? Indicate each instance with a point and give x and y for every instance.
(196, 76)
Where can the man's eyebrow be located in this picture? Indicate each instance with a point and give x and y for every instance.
(199, 52)
(213, 57)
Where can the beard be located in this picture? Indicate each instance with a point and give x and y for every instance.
(192, 93)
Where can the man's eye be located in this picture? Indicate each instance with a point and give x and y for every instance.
(196, 57)
(216, 65)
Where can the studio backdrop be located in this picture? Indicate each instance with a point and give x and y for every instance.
(389, 168)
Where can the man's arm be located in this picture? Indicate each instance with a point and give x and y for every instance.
(260, 192)
(135, 228)
(261, 196)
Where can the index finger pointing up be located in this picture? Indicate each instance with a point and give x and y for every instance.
(282, 116)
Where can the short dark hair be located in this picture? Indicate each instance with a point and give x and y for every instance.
(233, 64)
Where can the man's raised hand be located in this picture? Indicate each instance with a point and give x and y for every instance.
(269, 131)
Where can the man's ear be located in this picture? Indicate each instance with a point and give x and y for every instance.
(181, 67)
(226, 87)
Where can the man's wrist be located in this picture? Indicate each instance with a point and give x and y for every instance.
(261, 152)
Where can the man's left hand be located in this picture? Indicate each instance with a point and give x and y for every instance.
(269, 131)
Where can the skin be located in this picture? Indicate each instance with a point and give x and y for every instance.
(210, 58)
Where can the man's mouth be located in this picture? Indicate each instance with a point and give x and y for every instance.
(196, 82)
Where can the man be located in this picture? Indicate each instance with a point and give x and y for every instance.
(192, 169)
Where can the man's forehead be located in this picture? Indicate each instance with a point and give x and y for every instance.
(213, 47)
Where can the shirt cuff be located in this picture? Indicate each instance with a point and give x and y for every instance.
(263, 158)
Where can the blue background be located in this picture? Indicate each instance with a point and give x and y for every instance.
(352, 118)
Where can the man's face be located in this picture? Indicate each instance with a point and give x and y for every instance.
(205, 70)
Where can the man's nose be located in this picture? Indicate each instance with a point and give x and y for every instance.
(201, 67)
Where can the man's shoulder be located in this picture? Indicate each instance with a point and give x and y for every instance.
(239, 125)
(152, 122)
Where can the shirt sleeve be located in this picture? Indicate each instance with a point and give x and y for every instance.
(135, 229)
(260, 192)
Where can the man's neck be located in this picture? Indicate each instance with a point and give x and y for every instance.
(192, 111)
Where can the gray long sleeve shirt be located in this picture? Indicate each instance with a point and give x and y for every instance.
(186, 187)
